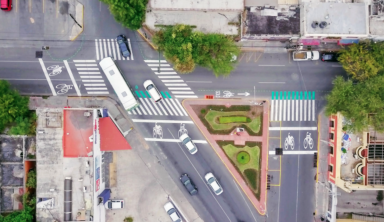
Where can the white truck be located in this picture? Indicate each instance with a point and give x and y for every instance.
(305, 55)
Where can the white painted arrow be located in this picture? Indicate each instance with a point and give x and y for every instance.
(243, 94)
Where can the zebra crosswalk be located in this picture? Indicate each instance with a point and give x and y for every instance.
(91, 77)
(293, 106)
(165, 107)
(109, 47)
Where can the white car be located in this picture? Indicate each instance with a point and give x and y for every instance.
(152, 90)
(213, 183)
(187, 142)
(172, 212)
(114, 204)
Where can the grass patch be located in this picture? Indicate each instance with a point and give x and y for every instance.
(251, 176)
(254, 163)
(234, 119)
(253, 126)
(243, 157)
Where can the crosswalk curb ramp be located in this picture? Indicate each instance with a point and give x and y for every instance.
(293, 106)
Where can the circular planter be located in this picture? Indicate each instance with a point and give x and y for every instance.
(243, 157)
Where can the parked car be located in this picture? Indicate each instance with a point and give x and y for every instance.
(329, 57)
(6, 5)
(123, 45)
(213, 183)
(305, 55)
(172, 212)
(114, 204)
(187, 142)
(152, 90)
(187, 182)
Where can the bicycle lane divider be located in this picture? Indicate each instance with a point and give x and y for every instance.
(72, 78)
(47, 77)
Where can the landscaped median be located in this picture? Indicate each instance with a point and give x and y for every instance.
(235, 129)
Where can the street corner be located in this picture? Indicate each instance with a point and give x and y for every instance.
(78, 19)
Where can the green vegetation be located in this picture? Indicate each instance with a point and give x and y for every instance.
(252, 178)
(250, 170)
(14, 112)
(234, 119)
(254, 125)
(130, 13)
(186, 48)
(128, 219)
(31, 179)
(243, 157)
(380, 196)
(361, 99)
(25, 215)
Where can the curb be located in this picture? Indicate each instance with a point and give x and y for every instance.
(82, 25)
(147, 40)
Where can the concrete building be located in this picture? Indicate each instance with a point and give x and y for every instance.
(209, 16)
(71, 181)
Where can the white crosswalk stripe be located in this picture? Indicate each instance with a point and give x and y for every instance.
(110, 47)
(173, 107)
(293, 108)
(91, 74)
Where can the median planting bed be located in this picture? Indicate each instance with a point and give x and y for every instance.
(247, 160)
(223, 120)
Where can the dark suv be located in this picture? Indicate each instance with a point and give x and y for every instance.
(187, 182)
(123, 45)
(329, 57)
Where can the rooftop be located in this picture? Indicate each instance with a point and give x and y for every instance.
(340, 19)
(197, 5)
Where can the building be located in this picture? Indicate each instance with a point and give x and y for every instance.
(209, 16)
(71, 172)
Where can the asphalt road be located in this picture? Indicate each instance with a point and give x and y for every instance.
(292, 195)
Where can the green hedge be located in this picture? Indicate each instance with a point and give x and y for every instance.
(234, 119)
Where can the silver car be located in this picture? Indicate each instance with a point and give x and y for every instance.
(172, 212)
(152, 90)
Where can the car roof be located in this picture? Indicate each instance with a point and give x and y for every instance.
(147, 83)
(215, 185)
(208, 175)
(168, 206)
(183, 136)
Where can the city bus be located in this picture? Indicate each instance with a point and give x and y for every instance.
(121, 87)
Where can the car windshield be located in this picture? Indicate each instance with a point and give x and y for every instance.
(186, 140)
(149, 87)
(211, 180)
(328, 57)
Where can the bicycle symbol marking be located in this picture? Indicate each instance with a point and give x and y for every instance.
(56, 70)
(157, 131)
(289, 141)
(182, 129)
(63, 88)
(227, 94)
(308, 141)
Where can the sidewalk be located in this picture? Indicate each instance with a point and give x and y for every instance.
(321, 195)
(259, 205)
(140, 157)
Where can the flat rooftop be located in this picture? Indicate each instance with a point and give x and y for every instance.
(342, 19)
(197, 5)
(52, 168)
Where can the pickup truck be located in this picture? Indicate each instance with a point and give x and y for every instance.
(305, 55)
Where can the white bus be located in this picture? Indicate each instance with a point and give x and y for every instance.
(121, 87)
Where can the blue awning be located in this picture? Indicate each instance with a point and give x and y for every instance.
(106, 194)
(347, 41)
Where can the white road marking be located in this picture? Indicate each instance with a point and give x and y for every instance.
(272, 107)
(134, 112)
(96, 88)
(161, 107)
(281, 109)
(145, 106)
(91, 77)
(177, 108)
(113, 48)
(305, 110)
(72, 78)
(301, 110)
(277, 109)
(166, 100)
(185, 96)
(165, 80)
(161, 121)
(309, 110)
(155, 69)
(97, 49)
(105, 48)
(102, 84)
(157, 65)
(292, 128)
(284, 109)
(165, 73)
(169, 77)
(200, 81)
(186, 88)
(181, 107)
(172, 140)
(293, 152)
(181, 84)
(142, 109)
(93, 80)
(166, 106)
(89, 73)
(87, 68)
(85, 64)
(47, 77)
(118, 51)
(109, 47)
(130, 48)
(155, 105)
(313, 110)
(289, 110)
(150, 105)
(84, 60)
(98, 92)
(101, 49)
(297, 110)
(182, 92)
(155, 61)
(293, 110)
(244, 199)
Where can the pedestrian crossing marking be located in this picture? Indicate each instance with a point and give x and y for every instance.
(169, 96)
(138, 94)
(148, 94)
(293, 106)
(109, 47)
(166, 107)
(141, 92)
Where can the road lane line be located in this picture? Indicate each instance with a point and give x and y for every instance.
(97, 50)
(185, 96)
(98, 92)
(118, 51)
(161, 121)
(181, 107)
(293, 152)
(289, 110)
(161, 61)
(113, 48)
(297, 110)
(165, 80)
(130, 48)
(165, 69)
(285, 109)
(181, 92)
(169, 77)
(313, 110)
(47, 77)
(185, 88)
(165, 73)
(272, 107)
(281, 108)
(101, 49)
(157, 65)
(72, 78)
(85, 64)
(172, 140)
(94, 84)
(237, 186)
(291, 128)
(105, 48)
(309, 110)
(305, 110)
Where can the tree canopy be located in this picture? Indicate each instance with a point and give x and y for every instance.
(185, 48)
(130, 13)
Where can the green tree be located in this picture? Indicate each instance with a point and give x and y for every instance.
(24, 125)
(12, 105)
(361, 61)
(130, 13)
(185, 48)
(362, 104)
(31, 179)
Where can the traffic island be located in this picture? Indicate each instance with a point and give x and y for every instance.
(238, 133)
